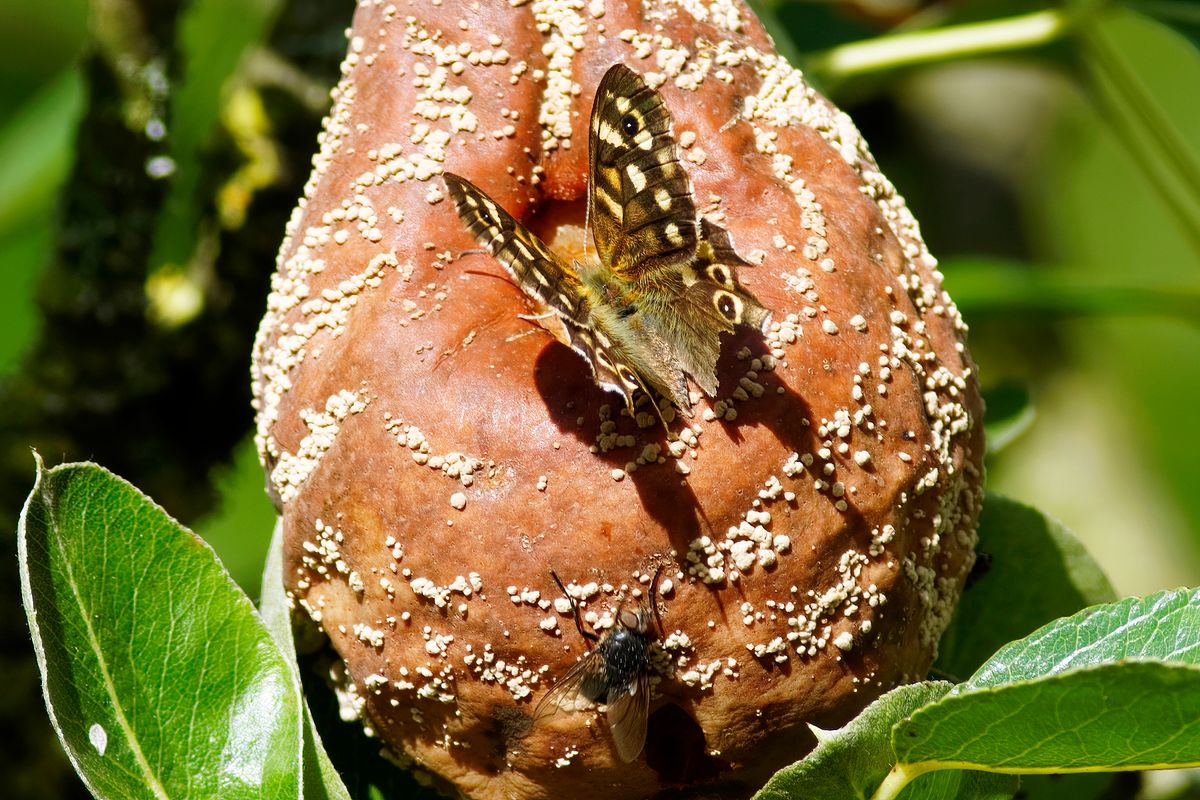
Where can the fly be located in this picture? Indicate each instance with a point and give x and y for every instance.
(615, 672)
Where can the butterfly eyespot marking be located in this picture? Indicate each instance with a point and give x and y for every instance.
(630, 124)
(720, 275)
(625, 312)
(728, 306)
(629, 379)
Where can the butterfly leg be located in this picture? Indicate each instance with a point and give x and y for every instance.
(588, 636)
(523, 334)
(536, 317)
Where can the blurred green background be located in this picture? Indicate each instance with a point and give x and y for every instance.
(150, 153)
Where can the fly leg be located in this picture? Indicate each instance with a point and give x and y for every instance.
(588, 636)
(654, 599)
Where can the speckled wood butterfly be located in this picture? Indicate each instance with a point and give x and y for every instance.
(666, 285)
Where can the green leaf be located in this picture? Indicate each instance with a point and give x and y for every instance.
(214, 38)
(1113, 687)
(1164, 626)
(159, 677)
(36, 151)
(1010, 413)
(985, 287)
(1114, 716)
(852, 761)
(321, 780)
(1183, 16)
(1031, 570)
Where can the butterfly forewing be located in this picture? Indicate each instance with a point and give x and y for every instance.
(639, 197)
(652, 310)
(535, 268)
(543, 276)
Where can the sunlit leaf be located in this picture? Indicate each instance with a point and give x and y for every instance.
(852, 761)
(159, 676)
(1164, 626)
(1135, 715)
(1114, 687)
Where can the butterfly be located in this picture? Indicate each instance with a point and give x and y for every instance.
(651, 311)
(616, 672)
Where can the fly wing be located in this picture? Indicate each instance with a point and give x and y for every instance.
(627, 716)
(580, 681)
(639, 197)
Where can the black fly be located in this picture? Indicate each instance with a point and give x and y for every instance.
(616, 672)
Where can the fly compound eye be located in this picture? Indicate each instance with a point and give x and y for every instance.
(630, 124)
(630, 619)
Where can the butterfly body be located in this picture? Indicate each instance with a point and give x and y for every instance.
(649, 309)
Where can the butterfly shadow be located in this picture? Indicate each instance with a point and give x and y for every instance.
(783, 411)
(667, 496)
(571, 395)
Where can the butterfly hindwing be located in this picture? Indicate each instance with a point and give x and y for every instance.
(639, 197)
(651, 311)
(613, 368)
